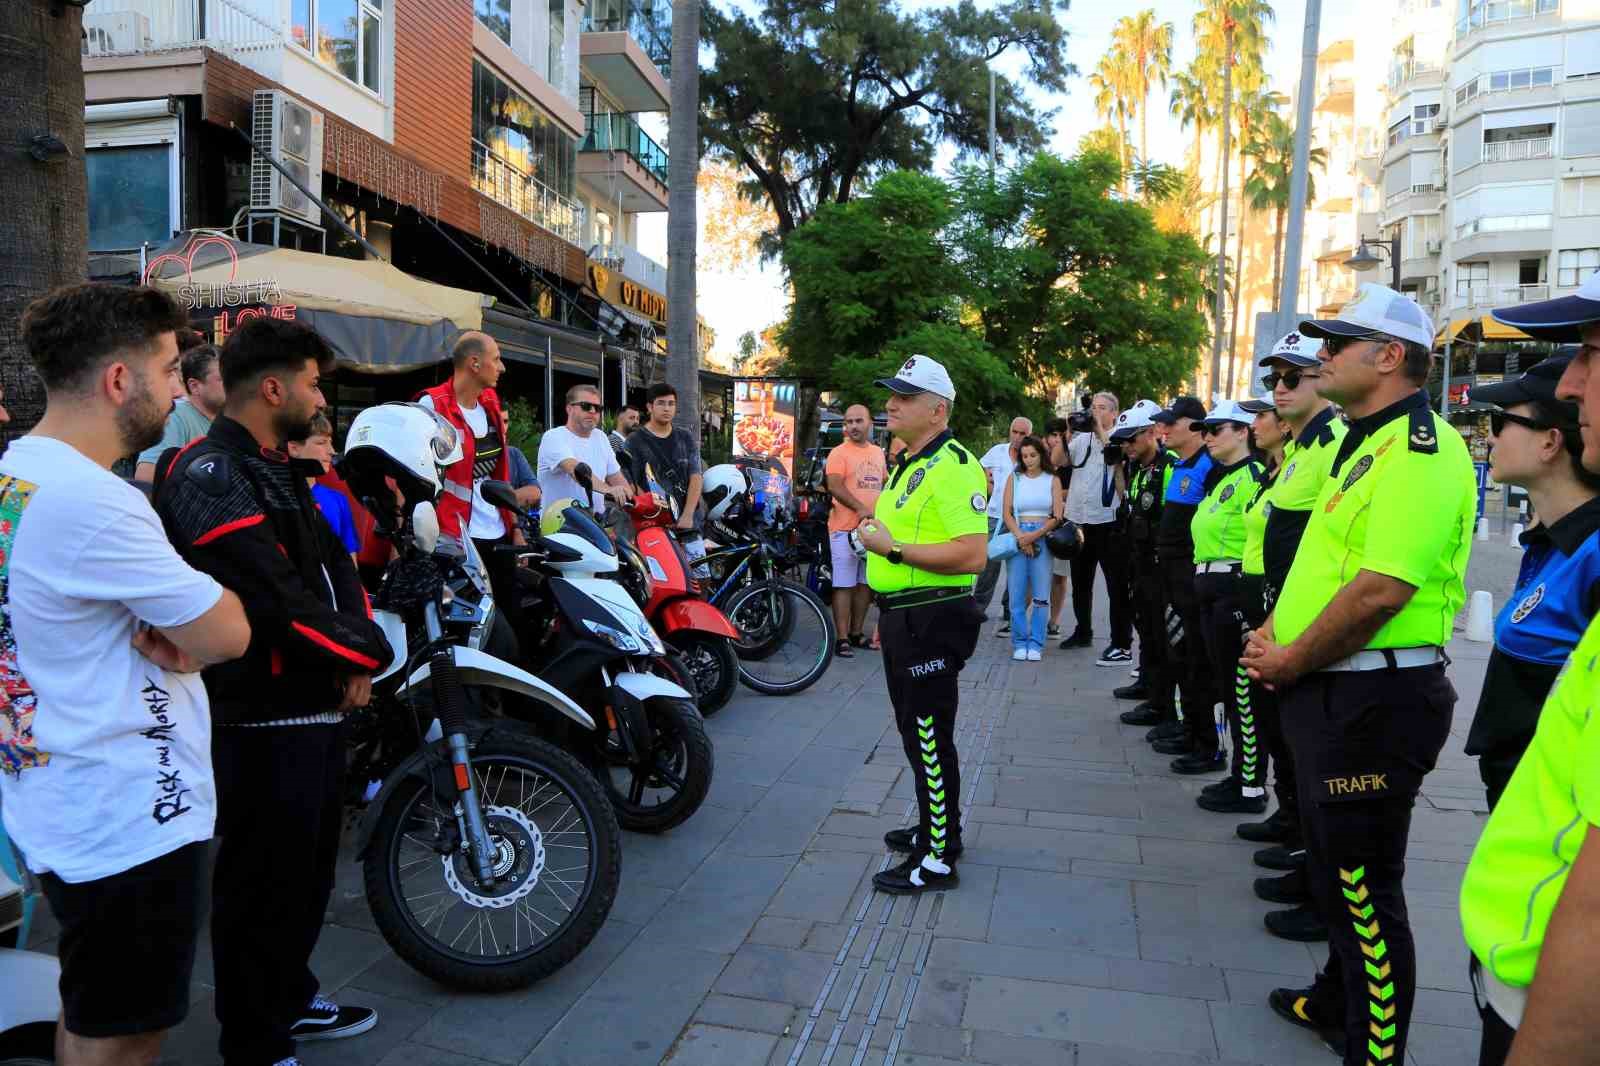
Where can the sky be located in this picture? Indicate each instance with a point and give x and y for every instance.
(754, 299)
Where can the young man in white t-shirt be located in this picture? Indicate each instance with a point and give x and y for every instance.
(105, 729)
(563, 448)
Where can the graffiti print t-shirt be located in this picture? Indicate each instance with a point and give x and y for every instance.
(105, 758)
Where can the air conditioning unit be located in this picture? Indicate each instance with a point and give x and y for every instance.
(1430, 299)
(1435, 247)
(1441, 123)
(292, 133)
(115, 33)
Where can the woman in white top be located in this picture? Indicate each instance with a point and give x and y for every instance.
(1032, 499)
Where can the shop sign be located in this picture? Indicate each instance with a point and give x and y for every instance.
(235, 302)
(1460, 395)
(614, 288)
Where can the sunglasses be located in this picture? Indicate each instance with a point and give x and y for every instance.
(1335, 345)
(585, 406)
(1498, 420)
(1211, 429)
(1291, 379)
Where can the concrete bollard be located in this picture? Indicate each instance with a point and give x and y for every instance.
(1483, 529)
(1480, 617)
(1515, 539)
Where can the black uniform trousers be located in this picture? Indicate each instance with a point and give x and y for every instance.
(1188, 655)
(1362, 743)
(1268, 721)
(1150, 620)
(1221, 599)
(924, 649)
(1104, 545)
(280, 807)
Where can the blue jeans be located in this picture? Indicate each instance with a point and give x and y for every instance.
(1029, 579)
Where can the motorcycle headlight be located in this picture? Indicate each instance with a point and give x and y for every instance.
(613, 636)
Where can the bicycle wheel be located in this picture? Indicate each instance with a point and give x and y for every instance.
(787, 636)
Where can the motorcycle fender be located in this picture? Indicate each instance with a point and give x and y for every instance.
(648, 686)
(394, 629)
(632, 723)
(31, 981)
(481, 668)
(415, 765)
(697, 615)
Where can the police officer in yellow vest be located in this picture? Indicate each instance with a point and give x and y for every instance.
(1355, 645)
(927, 542)
(1530, 901)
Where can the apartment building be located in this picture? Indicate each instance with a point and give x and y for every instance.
(501, 146)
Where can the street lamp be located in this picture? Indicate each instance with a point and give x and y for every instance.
(1364, 259)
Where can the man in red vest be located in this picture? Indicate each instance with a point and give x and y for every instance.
(469, 403)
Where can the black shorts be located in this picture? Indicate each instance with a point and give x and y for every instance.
(128, 942)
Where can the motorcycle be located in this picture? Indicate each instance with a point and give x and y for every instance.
(656, 570)
(490, 857)
(583, 634)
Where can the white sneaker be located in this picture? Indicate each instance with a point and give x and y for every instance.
(1019, 655)
(1034, 655)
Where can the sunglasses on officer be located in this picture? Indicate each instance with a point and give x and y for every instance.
(1291, 379)
(1211, 429)
(1498, 420)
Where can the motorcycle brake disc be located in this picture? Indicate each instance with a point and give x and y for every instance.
(518, 862)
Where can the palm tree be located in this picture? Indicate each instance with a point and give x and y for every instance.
(1191, 103)
(1112, 82)
(1148, 48)
(1229, 32)
(683, 163)
(1250, 108)
(1267, 187)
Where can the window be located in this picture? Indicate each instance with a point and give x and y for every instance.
(1470, 278)
(343, 35)
(131, 196)
(1580, 196)
(1576, 264)
(1500, 81)
(495, 16)
(1398, 132)
(1422, 117)
(1530, 271)
(557, 74)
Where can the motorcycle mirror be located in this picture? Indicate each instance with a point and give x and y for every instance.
(501, 494)
(425, 527)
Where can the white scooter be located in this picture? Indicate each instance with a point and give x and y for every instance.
(29, 1001)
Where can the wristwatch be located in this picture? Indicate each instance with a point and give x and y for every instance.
(895, 555)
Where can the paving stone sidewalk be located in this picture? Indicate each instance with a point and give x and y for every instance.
(1102, 919)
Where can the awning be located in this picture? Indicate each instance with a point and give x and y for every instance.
(1479, 328)
(376, 316)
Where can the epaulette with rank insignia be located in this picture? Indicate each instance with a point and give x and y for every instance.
(1422, 438)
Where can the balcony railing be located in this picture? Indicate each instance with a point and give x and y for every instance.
(1504, 11)
(1501, 224)
(621, 133)
(633, 264)
(1335, 85)
(648, 23)
(1514, 151)
(131, 27)
(507, 184)
(1415, 190)
(1474, 294)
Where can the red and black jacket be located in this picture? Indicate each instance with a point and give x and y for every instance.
(244, 515)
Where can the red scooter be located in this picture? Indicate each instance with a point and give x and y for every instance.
(699, 633)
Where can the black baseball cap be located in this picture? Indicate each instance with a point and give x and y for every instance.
(1182, 407)
(1256, 407)
(1538, 387)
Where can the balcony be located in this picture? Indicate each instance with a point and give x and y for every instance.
(134, 27)
(632, 264)
(626, 47)
(1500, 11)
(1335, 93)
(1475, 295)
(1516, 151)
(509, 185)
(614, 147)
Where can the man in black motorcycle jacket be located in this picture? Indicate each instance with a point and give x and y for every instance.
(238, 508)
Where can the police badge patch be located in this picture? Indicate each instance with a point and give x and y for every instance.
(1227, 494)
(1529, 602)
(1288, 471)
(1147, 500)
(911, 486)
(1356, 471)
(978, 502)
(1183, 486)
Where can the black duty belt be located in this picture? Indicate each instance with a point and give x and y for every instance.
(889, 601)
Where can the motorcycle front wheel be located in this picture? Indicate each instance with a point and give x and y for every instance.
(712, 663)
(673, 782)
(558, 860)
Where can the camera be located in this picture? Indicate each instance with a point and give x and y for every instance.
(1080, 422)
(1112, 454)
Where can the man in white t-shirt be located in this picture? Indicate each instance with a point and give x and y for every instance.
(105, 730)
(999, 463)
(563, 448)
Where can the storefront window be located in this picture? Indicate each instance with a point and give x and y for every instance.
(343, 35)
(130, 196)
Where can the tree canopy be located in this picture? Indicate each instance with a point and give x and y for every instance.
(813, 99)
(1017, 285)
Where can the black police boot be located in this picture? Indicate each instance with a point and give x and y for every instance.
(1168, 730)
(918, 874)
(1144, 714)
(1200, 763)
(1302, 924)
(1229, 785)
(1290, 888)
(1232, 801)
(1178, 745)
(1274, 830)
(1138, 690)
(1281, 857)
(905, 840)
(1294, 1005)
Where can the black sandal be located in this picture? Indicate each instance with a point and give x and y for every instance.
(858, 640)
(841, 649)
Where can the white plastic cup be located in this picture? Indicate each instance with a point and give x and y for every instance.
(1480, 617)
(1483, 529)
(1515, 539)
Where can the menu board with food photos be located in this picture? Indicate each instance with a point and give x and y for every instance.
(763, 420)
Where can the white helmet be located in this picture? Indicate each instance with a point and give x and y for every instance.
(405, 441)
(720, 488)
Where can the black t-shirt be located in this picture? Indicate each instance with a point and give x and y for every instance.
(672, 460)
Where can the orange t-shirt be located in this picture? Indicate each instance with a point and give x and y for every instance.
(863, 469)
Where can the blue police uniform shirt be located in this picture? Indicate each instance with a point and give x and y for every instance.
(1191, 479)
(1557, 594)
